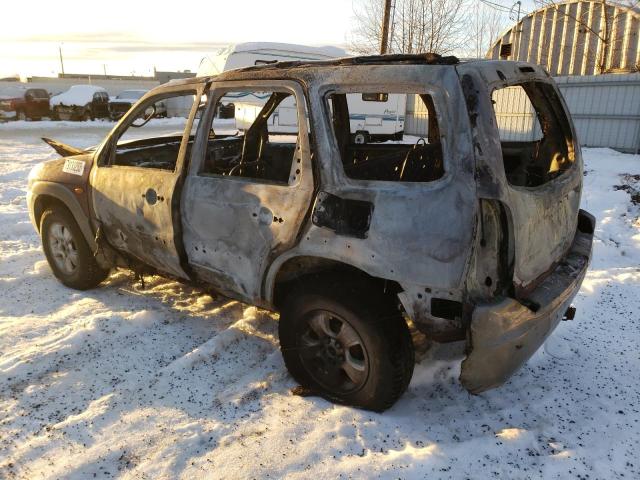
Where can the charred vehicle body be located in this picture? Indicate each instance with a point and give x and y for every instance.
(471, 234)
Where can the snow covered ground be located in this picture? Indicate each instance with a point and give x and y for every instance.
(168, 382)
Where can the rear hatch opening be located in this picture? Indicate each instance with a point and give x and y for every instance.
(543, 170)
(536, 140)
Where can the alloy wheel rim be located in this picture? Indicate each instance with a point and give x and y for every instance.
(333, 353)
(63, 248)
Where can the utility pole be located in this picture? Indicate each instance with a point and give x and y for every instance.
(519, 5)
(61, 61)
(104, 69)
(384, 43)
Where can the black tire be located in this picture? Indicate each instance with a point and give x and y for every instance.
(86, 273)
(361, 137)
(385, 349)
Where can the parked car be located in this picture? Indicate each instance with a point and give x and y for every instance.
(469, 236)
(21, 103)
(119, 105)
(81, 102)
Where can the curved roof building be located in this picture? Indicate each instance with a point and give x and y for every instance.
(575, 38)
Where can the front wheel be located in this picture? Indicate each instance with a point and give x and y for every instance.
(347, 343)
(67, 251)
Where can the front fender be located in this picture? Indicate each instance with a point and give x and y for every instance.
(62, 194)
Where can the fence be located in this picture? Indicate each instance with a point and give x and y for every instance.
(605, 111)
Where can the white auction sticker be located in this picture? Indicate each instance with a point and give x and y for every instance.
(74, 167)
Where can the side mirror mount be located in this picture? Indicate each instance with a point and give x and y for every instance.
(147, 115)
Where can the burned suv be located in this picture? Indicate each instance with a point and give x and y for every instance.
(468, 230)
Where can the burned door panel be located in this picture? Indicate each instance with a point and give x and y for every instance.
(241, 207)
(133, 223)
(133, 191)
(421, 227)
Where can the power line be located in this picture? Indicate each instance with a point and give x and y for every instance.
(496, 6)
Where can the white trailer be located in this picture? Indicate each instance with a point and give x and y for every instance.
(373, 116)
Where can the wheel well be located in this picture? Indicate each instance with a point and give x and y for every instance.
(42, 203)
(304, 268)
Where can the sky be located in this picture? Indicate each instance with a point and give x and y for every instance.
(129, 37)
(133, 37)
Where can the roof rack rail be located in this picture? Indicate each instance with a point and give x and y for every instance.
(396, 58)
(420, 58)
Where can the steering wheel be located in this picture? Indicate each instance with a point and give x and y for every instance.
(251, 148)
(409, 156)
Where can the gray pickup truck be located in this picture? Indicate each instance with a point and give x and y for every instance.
(469, 231)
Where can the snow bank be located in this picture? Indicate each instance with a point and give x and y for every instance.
(169, 382)
(17, 126)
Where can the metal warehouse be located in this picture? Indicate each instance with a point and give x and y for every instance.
(575, 38)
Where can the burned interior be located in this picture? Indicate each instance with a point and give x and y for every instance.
(263, 144)
(137, 144)
(541, 147)
(399, 158)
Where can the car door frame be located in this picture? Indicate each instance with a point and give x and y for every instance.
(169, 256)
(301, 183)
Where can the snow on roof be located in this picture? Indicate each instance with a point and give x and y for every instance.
(327, 51)
(77, 95)
(240, 55)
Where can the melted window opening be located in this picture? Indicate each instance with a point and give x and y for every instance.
(535, 135)
(254, 135)
(371, 140)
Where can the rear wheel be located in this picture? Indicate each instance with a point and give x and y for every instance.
(346, 342)
(67, 251)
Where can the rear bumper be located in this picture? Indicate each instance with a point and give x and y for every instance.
(504, 334)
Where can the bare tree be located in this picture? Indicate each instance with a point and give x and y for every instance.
(485, 26)
(418, 26)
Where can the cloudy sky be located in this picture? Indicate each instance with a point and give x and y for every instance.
(132, 36)
(124, 37)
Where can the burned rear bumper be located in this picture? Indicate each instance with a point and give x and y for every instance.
(504, 334)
